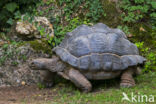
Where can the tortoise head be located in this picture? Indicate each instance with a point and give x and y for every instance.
(43, 64)
(37, 64)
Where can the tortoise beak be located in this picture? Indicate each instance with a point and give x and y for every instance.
(34, 65)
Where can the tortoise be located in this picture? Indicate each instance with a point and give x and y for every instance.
(93, 53)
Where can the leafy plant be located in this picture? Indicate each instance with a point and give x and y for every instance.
(61, 30)
(150, 56)
(40, 86)
(74, 13)
(11, 9)
(124, 28)
(11, 6)
(95, 10)
(10, 52)
(138, 10)
(89, 9)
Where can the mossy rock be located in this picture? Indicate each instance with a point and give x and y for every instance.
(39, 46)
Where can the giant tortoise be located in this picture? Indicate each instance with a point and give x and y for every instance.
(93, 53)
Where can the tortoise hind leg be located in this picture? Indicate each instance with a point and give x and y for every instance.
(127, 78)
(79, 80)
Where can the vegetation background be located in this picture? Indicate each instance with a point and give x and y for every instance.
(137, 18)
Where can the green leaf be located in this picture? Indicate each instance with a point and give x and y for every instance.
(5, 46)
(10, 21)
(11, 6)
(139, 1)
(153, 15)
(153, 4)
(17, 15)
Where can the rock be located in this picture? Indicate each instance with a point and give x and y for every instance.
(40, 27)
(23, 83)
(25, 28)
(14, 70)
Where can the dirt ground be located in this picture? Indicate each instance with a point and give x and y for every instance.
(25, 95)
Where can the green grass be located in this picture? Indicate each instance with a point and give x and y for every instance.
(104, 92)
(108, 93)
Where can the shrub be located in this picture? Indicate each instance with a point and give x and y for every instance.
(150, 56)
(12, 9)
(90, 9)
(138, 10)
(74, 13)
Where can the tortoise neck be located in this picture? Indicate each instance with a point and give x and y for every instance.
(56, 65)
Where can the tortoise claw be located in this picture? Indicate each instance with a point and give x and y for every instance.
(48, 84)
(126, 85)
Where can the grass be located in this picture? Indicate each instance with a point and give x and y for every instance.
(104, 92)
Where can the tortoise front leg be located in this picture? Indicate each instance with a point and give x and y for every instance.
(127, 78)
(79, 80)
(48, 78)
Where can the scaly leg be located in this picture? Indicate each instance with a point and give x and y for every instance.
(48, 78)
(79, 80)
(127, 78)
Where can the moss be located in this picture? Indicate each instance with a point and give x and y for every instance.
(112, 17)
(38, 46)
(41, 45)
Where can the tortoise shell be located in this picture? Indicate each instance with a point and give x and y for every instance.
(98, 48)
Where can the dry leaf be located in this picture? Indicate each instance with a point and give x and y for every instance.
(142, 29)
(130, 35)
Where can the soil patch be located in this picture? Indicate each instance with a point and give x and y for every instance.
(25, 94)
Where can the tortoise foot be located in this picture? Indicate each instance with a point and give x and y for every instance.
(127, 79)
(126, 85)
(48, 84)
(79, 80)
